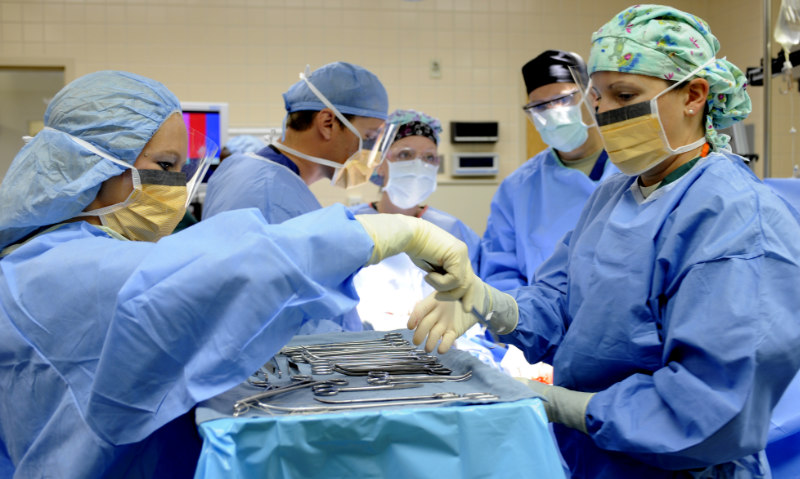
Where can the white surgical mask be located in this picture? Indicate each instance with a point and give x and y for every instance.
(634, 135)
(410, 182)
(561, 127)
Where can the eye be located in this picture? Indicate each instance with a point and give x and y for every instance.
(164, 165)
(404, 155)
(431, 158)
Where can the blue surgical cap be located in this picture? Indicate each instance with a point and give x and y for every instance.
(52, 179)
(245, 144)
(353, 90)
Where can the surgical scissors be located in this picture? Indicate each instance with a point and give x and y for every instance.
(241, 406)
(331, 390)
(383, 377)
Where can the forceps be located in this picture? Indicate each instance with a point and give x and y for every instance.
(402, 369)
(383, 377)
(332, 390)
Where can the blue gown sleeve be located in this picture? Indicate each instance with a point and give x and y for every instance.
(499, 265)
(207, 306)
(543, 318)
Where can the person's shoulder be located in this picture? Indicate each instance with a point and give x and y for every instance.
(362, 209)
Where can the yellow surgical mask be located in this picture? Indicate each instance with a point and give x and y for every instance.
(355, 171)
(634, 136)
(152, 210)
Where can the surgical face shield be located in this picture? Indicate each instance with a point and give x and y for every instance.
(559, 121)
(633, 135)
(357, 169)
(201, 150)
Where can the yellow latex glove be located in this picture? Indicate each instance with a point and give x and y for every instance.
(443, 256)
(444, 321)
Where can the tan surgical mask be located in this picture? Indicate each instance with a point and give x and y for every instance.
(634, 136)
(152, 210)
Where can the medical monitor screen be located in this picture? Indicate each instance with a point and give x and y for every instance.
(210, 119)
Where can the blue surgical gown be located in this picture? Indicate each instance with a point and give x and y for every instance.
(681, 312)
(531, 210)
(103, 342)
(443, 220)
(271, 182)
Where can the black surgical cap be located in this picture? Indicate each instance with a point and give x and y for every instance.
(552, 66)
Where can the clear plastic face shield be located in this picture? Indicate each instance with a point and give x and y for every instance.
(201, 150)
(372, 147)
(586, 97)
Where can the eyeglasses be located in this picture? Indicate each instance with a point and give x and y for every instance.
(406, 154)
(566, 100)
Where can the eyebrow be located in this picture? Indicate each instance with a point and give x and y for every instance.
(167, 154)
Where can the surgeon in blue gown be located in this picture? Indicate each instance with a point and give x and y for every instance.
(541, 200)
(111, 330)
(329, 113)
(669, 313)
(315, 145)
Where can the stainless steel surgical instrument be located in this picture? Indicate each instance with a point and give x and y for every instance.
(383, 377)
(243, 405)
(331, 390)
(441, 398)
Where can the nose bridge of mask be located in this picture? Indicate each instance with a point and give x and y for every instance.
(409, 167)
(552, 118)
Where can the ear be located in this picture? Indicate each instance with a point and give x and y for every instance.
(697, 91)
(323, 122)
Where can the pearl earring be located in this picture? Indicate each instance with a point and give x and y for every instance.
(691, 112)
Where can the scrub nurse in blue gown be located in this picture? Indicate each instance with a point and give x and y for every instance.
(669, 313)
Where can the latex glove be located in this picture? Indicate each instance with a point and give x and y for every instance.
(563, 405)
(443, 256)
(444, 321)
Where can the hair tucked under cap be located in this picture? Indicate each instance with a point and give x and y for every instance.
(53, 178)
(553, 66)
(411, 123)
(352, 89)
(415, 123)
(664, 42)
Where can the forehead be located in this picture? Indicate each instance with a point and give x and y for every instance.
(550, 91)
(419, 143)
(607, 79)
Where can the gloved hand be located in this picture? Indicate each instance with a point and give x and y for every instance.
(562, 405)
(431, 248)
(447, 320)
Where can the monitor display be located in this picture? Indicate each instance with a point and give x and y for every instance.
(210, 119)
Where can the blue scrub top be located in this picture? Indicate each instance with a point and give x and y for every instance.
(530, 212)
(680, 311)
(271, 182)
(104, 342)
